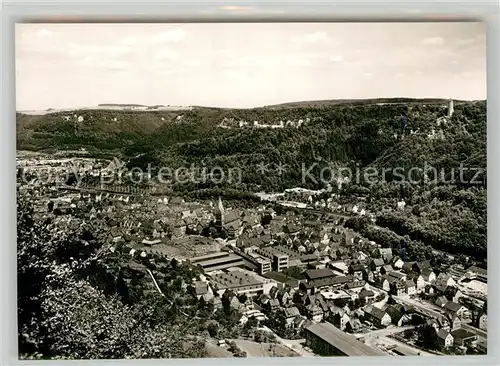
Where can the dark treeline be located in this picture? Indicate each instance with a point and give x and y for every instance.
(446, 207)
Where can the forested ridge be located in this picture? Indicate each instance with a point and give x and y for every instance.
(446, 213)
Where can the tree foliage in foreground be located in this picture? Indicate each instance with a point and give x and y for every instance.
(62, 315)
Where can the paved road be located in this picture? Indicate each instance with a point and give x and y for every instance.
(383, 332)
(404, 347)
(426, 308)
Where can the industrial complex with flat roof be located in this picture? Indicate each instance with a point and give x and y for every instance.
(218, 261)
(333, 341)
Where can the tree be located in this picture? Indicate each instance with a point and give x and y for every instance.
(213, 328)
(243, 298)
(174, 264)
(427, 337)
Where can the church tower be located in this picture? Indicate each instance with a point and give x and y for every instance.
(219, 214)
(450, 108)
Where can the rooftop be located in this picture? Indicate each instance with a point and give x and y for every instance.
(234, 279)
(342, 341)
(219, 260)
(314, 274)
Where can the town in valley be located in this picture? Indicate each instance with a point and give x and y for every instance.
(287, 271)
(253, 189)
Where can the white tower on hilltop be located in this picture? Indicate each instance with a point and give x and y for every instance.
(450, 108)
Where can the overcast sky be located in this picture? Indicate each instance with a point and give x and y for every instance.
(245, 65)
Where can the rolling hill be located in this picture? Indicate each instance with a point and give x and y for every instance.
(447, 214)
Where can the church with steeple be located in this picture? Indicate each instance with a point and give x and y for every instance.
(219, 215)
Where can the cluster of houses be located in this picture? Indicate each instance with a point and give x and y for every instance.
(234, 123)
(300, 266)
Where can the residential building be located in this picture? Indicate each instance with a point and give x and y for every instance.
(274, 304)
(428, 275)
(459, 310)
(483, 322)
(353, 326)
(377, 316)
(455, 323)
(291, 314)
(445, 339)
(367, 295)
(441, 301)
(444, 280)
(474, 272)
(407, 267)
(419, 281)
(356, 270)
(376, 264)
(368, 276)
(411, 288)
(314, 312)
(397, 263)
(462, 337)
(399, 315)
(418, 267)
(398, 287)
(232, 223)
(355, 285)
(398, 275)
(340, 319)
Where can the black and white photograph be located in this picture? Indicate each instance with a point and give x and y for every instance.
(221, 190)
